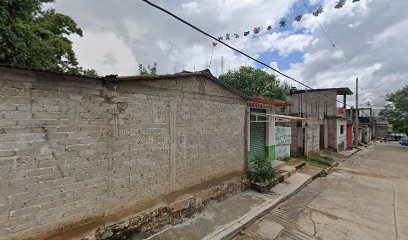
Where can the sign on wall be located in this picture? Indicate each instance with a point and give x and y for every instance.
(283, 139)
(282, 151)
(283, 136)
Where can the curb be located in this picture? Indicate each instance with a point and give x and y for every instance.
(282, 175)
(234, 228)
(242, 223)
(338, 163)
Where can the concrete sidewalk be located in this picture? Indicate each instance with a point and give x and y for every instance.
(225, 219)
(365, 197)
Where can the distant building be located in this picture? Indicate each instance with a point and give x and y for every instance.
(326, 125)
(372, 125)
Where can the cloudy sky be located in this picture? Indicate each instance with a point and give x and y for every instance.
(118, 35)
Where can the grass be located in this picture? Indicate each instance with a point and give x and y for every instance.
(285, 159)
(322, 161)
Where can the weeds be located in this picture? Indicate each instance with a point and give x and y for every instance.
(286, 159)
(321, 160)
(261, 170)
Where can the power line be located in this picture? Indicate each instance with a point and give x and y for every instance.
(328, 37)
(230, 47)
(102, 27)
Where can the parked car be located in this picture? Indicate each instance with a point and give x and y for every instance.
(396, 136)
(403, 141)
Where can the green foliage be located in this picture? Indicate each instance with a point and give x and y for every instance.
(256, 82)
(149, 71)
(34, 38)
(396, 111)
(321, 160)
(285, 159)
(261, 170)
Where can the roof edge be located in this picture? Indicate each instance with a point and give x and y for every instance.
(181, 75)
(11, 66)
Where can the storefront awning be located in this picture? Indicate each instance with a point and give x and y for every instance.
(264, 117)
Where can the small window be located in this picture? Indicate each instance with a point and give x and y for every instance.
(341, 129)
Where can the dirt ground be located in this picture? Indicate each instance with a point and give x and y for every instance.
(365, 197)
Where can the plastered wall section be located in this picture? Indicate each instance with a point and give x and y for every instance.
(341, 137)
(75, 148)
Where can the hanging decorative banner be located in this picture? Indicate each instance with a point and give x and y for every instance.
(283, 22)
(298, 18)
(318, 11)
(340, 4)
(257, 30)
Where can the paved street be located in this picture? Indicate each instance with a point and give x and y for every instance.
(366, 197)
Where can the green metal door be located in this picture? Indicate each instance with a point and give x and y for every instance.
(257, 136)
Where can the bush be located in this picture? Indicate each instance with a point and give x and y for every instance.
(261, 170)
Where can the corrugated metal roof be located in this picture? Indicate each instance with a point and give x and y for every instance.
(278, 116)
(339, 91)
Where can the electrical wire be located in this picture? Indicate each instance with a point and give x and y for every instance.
(233, 48)
(329, 38)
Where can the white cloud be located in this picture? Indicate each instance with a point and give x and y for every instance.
(370, 33)
(94, 54)
(190, 7)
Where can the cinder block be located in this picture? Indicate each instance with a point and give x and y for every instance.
(16, 115)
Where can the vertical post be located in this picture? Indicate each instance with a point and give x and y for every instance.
(344, 102)
(356, 116)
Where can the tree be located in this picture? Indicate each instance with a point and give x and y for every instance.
(36, 38)
(149, 71)
(256, 82)
(396, 110)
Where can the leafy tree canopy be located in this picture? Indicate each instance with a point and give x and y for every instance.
(396, 111)
(256, 82)
(149, 71)
(36, 38)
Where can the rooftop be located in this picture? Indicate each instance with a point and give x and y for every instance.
(339, 91)
(269, 101)
(204, 73)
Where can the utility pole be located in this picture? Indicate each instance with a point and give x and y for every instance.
(356, 115)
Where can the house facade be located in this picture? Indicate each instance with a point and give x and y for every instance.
(325, 125)
(270, 133)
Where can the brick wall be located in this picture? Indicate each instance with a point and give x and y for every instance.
(332, 133)
(73, 150)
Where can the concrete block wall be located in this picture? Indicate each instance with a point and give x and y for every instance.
(315, 103)
(313, 137)
(73, 150)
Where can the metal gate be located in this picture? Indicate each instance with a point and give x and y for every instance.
(257, 139)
